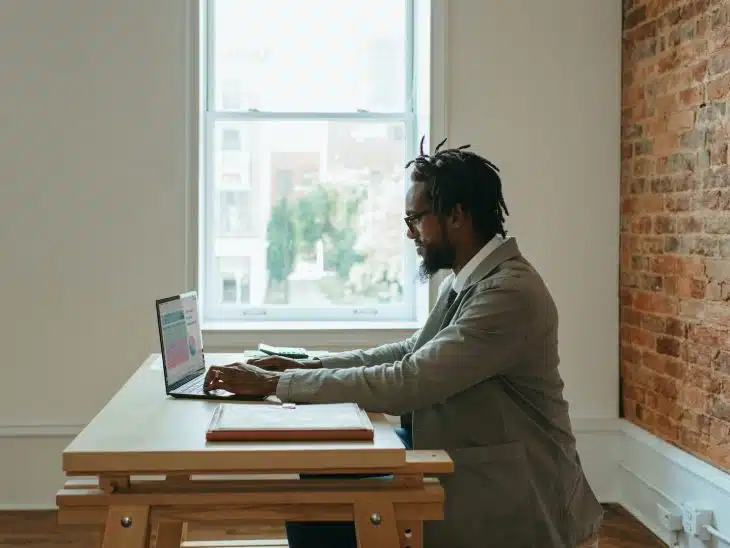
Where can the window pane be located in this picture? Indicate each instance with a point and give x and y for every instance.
(236, 214)
(313, 55)
(325, 207)
(228, 289)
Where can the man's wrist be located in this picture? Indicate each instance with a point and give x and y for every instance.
(312, 363)
(273, 382)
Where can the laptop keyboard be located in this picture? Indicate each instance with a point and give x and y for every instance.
(193, 387)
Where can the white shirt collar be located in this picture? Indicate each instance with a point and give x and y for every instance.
(475, 261)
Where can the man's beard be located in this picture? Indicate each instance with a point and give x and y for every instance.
(436, 257)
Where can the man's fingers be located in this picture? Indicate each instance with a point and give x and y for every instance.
(214, 378)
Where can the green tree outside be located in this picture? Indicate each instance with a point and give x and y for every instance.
(281, 251)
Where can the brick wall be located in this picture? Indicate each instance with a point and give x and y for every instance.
(675, 223)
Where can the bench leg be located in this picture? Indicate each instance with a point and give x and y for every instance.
(171, 535)
(127, 527)
(375, 524)
(411, 534)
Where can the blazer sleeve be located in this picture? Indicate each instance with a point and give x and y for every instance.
(386, 353)
(485, 340)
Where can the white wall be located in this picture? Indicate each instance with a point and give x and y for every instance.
(93, 203)
(535, 86)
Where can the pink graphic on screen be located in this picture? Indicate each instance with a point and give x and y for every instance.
(177, 353)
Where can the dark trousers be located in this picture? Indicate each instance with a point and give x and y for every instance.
(331, 534)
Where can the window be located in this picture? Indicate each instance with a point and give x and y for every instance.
(235, 280)
(231, 140)
(304, 147)
(236, 215)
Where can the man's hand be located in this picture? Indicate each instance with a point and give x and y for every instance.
(279, 363)
(242, 379)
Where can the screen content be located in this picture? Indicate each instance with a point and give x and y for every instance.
(181, 337)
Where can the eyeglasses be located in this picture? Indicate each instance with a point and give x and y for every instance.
(411, 219)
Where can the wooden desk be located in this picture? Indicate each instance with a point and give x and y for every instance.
(143, 461)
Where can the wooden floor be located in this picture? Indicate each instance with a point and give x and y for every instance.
(38, 529)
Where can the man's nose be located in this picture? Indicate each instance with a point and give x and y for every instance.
(410, 233)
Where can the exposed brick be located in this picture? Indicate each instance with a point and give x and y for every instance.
(688, 224)
(675, 222)
(675, 327)
(705, 378)
(717, 223)
(687, 181)
(678, 203)
(681, 121)
(669, 346)
(663, 264)
(724, 200)
(719, 88)
(721, 362)
(719, 429)
(690, 267)
(717, 313)
(652, 244)
(644, 166)
(717, 178)
(665, 224)
(708, 199)
(725, 248)
(638, 337)
(633, 17)
(719, 39)
(693, 398)
(706, 246)
(707, 335)
(693, 138)
(642, 225)
(695, 422)
(720, 61)
(654, 323)
(721, 409)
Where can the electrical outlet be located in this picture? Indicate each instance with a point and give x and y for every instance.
(694, 519)
(670, 520)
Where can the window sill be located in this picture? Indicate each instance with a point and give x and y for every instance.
(333, 336)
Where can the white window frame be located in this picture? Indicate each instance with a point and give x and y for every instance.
(428, 37)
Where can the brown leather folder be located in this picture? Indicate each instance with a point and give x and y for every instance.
(288, 422)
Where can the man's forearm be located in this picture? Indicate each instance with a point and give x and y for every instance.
(385, 353)
(313, 363)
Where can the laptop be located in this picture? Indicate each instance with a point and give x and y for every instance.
(181, 345)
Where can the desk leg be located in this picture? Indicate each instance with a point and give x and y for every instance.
(411, 534)
(171, 534)
(375, 524)
(127, 527)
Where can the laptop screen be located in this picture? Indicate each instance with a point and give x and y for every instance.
(180, 338)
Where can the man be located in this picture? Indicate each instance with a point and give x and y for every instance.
(480, 379)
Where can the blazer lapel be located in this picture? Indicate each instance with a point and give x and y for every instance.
(508, 250)
(442, 314)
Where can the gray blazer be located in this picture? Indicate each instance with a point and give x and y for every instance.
(481, 381)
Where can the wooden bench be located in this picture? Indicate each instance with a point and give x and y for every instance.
(383, 508)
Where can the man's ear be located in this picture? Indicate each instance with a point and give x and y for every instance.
(458, 217)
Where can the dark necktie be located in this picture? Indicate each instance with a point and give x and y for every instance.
(406, 420)
(451, 298)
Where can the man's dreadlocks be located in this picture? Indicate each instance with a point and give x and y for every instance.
(456, 176)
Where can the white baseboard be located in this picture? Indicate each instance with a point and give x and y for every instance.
(599, 442)
(623, 463)
(651, 471)
(32, 430)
